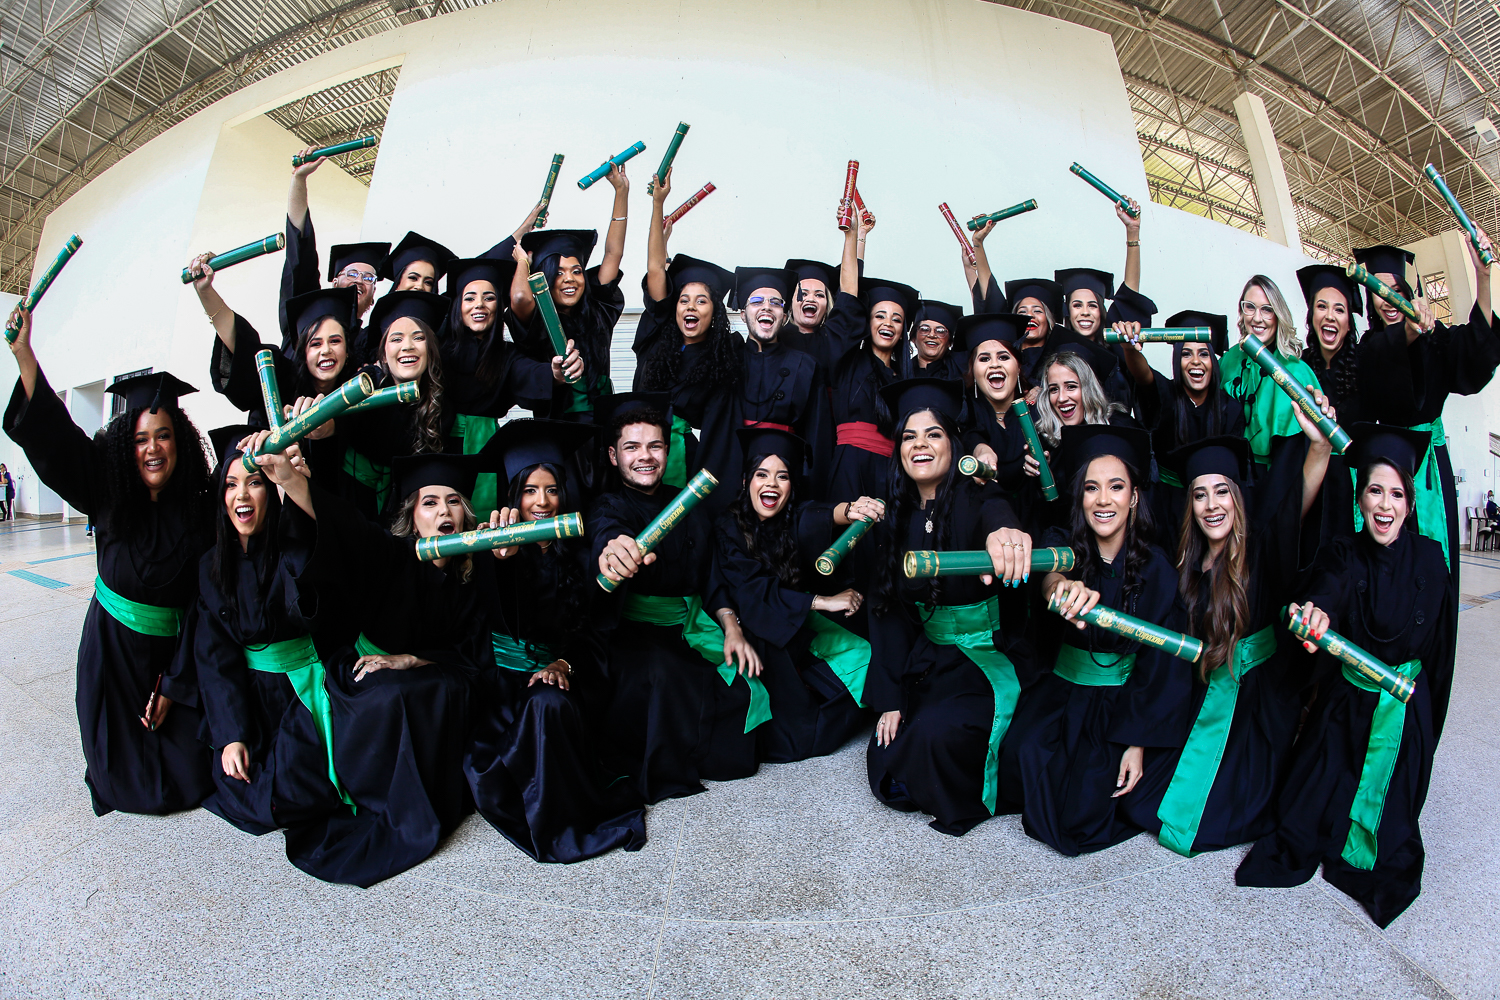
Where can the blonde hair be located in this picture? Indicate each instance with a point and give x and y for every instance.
(1097, 407)
(1288, 340)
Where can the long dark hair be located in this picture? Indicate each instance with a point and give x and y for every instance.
(723, 369)
(227, 553)
(1226, 619)
(427, 420)
(128, 496)
(1136, 550)
(563, 552)
(1182, 406)
(305, 385)
(862, 358)
(905, 499)
(592, 344)
(492, 362)
(1362, 479)
(1342, 378)
(772, 541)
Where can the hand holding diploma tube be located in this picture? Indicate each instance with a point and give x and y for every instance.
(1078, 604)
(618, 160)
(356, 390)
(669, 156)
(546, 199)
(1381, 290)
(239, 255)
(1486, 255)
(846, 203)
(487, 539)
(958, 232)
(619, 561)
(922, 564)
(683, 209)
(1310, 624)
(980, 221)
(1164, 335)
(1122, 202)
(1272, 366)
(334, 150)
(30, 300)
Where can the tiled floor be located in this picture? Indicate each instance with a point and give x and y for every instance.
(791, 884)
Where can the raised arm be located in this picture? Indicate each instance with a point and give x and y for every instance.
(854, 252)
(614, 237)
(296, 196)
(1315, 465)
(1132, 245)
(522, 302)
(219, 314)
(656, 241)
(979, 276)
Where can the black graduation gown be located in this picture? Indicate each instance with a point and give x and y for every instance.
(591, 327)
(1175, 421)
(299, 274)
(856, 386)
(1332, 514)
(936, 762)
(842, 329)
(950, 366)
(128, 767)
(1023, 492)
(1061, 759)
(1392, 602)
(785, 388)
(673, 720)
(512, 379)
(812, 712)
(532, 762)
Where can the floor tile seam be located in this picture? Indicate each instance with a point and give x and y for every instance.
(59, 716)
(1363, 920)
(542, 903)
(36, 614)
(666, 902)
(46, 863)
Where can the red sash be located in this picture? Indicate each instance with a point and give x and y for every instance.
(864, 435)
(767, 423)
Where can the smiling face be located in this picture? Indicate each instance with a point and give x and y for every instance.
(245, 501)
(361, 277)
(812, 304)
(1196, 362)
(1388, 313)
(418, 276)
(1384, 504)
(439, 511)
(932, 340)
(996, 370)
(567, 287)
(1213, 507)
(926, 450)
(695, 311)
(1084, 312)
(1258, 316)
(155, 448)
(1106, 498)
(1036, 320)
(764, 312)
(1066, 395)
(540, 496)
(887, 320)
(327, 351)
(1330, 320)
(406, 349)
(770, 487)
(481, 304)
(640, 455)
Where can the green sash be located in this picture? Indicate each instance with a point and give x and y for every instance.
(522, 656)
(1386, 727)
(578, 397)
(846, 654)
(298, 659)
(1079, 666)
(367, 472)
(705, 636)
(676, 473)
(1430, 504)
(146, 619)
(1271, 414)
(476, 433)
(971, 628)
(1168, 477)
(1181, 808)
(364, 647)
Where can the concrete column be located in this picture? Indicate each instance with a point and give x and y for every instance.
(1270, 178)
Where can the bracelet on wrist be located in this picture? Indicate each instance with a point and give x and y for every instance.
(1132, 243)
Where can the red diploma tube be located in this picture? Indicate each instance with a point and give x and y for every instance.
(846, 203)
(866, 216)
(682, 209)
(963, 241)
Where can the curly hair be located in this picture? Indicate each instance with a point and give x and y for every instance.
(427, 420)
(564, 552)
(127, 496)
(772, 540)
(906, 500)
(723, 369)
(1226, 619)
(404, 525)
(227, 552)
(1136, 551)
(1339, 378)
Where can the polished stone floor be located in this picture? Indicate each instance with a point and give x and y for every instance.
(794, 883)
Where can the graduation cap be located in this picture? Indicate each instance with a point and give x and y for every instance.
(226, 438)
(494, 270)
(425, 306)
(521, 444)
(760, 441)
(1082, 443)
(1099, 360)
(305, 311)
(412, 248)
(1315, 277)
(609, 409)
(1217, 322)
(1071, 279)
(153, 390)
(544, 243)
(1226, 455)
(944, 313)
(457, 472)
(685, 270)
(1007, 328)
(873, 291)
(341, 255)
(1400, 446)
(828, 274)
(911, 395)
(748, 279)
(1044, 290)
(1386, 259)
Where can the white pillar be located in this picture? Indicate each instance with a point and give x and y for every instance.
(1270, 178)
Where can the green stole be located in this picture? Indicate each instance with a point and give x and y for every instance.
(972, 627)
(1079, 666)
(1386, 728)
(298, 659)
(525, 657)
(1181, 808)
(1272, 413)
(1429, 503)
(476, 433)
(846, 654)
(147, 619)
(369, 473)
(676, 474)
(704, 635)
(364, 647)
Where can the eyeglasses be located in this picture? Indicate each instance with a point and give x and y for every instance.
(772, 301)
(367, 277)
(1250, 309)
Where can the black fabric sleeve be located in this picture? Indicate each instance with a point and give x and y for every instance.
(65, 458)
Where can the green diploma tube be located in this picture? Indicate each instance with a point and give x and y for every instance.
(401, 392)
(971, 466)
(1029, 205)
(700, 486)
(1184, 647)
(924, 564)
(1034, 442)
(1108, 192)
(30, 300)
(356, 390)
(542, 293)
(587, 181)
(671, 154)
(1350, 655)
(270, 392)
(1166, 335)
(1273, 367)
(835, 553)
(1384, 291)
(486, 539)
(546, 199)
(335, 150)
(239, 255)
(1458, 212)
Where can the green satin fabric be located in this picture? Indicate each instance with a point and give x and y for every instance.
(298, 659)
(1386, 728)
(1181, 809)
(705, 636)
(972, 627)
(676, 473)
(1082, 667)
(475, 433)
(515, 655)
(846, 654)
(147, 619)
(364, 647)
(1272, 413)
(1429, 502)
(369, 473)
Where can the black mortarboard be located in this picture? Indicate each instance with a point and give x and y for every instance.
(1385, 259)
(828, 274)
(771, 441)
(945, 313)
(1082, 443)
(425, 306)
(520, 444)
(497, 272)
(544, 243)
(975, 330)
(413, 472)
(910, 395)
(1044, 290)
(1401, 446)
(1225, 455)
(153, 390)
(306, 310)
(685, 270)
(748, 279)
(1070, 279)
(1217, 322)
(341, 255)
(1315, 277)
(1099, 360)
(606, 408)
(412, 248)
(873, 291)
(224, 439)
